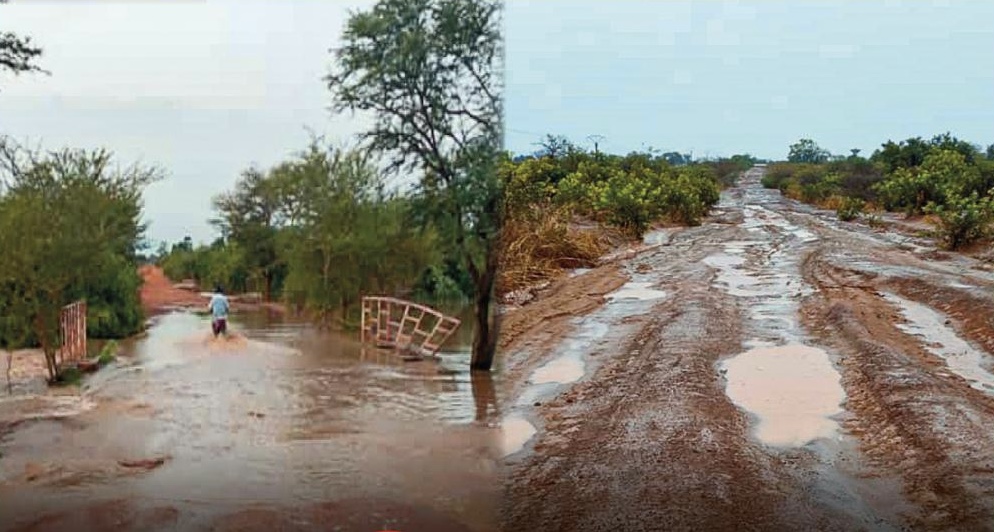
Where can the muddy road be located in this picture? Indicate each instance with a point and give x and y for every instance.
(772, 369)
(283, 428)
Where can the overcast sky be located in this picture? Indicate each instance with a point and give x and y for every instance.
(725, 77)
(202, 89)
(206, 88)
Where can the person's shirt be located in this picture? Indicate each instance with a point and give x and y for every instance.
(219, 306)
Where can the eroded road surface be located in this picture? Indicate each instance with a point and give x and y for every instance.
(772, 369)
(286, 428)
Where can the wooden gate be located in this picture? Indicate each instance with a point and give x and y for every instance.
(403, 325)
(72, 323)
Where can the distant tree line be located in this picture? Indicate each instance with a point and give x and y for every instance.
(547, 191)
(945, 177)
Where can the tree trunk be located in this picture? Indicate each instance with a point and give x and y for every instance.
(10, 362)
(484, 395)
(485, 339)
(51, 364)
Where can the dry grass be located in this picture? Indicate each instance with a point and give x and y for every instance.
(538, 244)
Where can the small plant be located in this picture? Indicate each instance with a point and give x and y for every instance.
(850, 209)
(875, 221)
(108, 354)
(963, 220)
(69, 377)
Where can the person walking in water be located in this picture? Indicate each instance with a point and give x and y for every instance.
(218, 308)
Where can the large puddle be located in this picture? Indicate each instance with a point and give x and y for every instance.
(516, 432)
(793, 390)
(940, 339)
(281, 416)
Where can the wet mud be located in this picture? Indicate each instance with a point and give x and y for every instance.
(279, 427)
(795, 373)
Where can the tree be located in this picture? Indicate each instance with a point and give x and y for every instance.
(677, 158)
(17, 54)
(555, 146)
(428, 71)
(807, 151)
(250, 217)
(349, 235)
(947, 141)
(83, 233)
(990, 152)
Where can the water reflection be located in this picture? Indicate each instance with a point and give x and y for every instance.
(484, 396)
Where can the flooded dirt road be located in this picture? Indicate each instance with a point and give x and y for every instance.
(284, 428)
(772, 369)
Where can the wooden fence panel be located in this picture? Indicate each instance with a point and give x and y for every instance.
(404, 325)
(72, 324)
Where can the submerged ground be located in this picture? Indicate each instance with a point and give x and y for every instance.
(282, 428)
(772, 369)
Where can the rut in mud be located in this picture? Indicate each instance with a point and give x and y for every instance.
(786, 374)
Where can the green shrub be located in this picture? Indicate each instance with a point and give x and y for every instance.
(631, 201)
(850, 209)
(108, 354)
(963, 219)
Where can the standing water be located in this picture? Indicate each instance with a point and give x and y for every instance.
(199, 432)
(791, 388)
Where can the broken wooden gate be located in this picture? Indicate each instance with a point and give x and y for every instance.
(403, 325)
(72, 325)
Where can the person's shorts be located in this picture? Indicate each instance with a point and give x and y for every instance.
(219, 326)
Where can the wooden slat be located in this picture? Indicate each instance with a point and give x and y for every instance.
(406, 325)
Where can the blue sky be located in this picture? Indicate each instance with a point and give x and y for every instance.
(721, 78)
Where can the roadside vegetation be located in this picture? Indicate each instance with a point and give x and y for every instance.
(70, 228)
(564, 206)
(322, 229)
(945, 179)
(316, 232)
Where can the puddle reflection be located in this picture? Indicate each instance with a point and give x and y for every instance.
(793, 390)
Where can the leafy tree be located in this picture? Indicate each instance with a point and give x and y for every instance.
(429, 73)
(250, 216)
(990, 152)
(555, 147)
(83, 232)
(948, 142)
(807, 151)
(350, 235)
(18, 54)
(912, 152)
(677, 158)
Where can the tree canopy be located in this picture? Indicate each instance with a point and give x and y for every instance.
(17, 53)
(429, 74)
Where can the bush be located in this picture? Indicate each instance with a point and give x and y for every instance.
(850, 209)
(108, 353)
(942, 173)
(691, 195)
(963, 219)
(778, 175)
